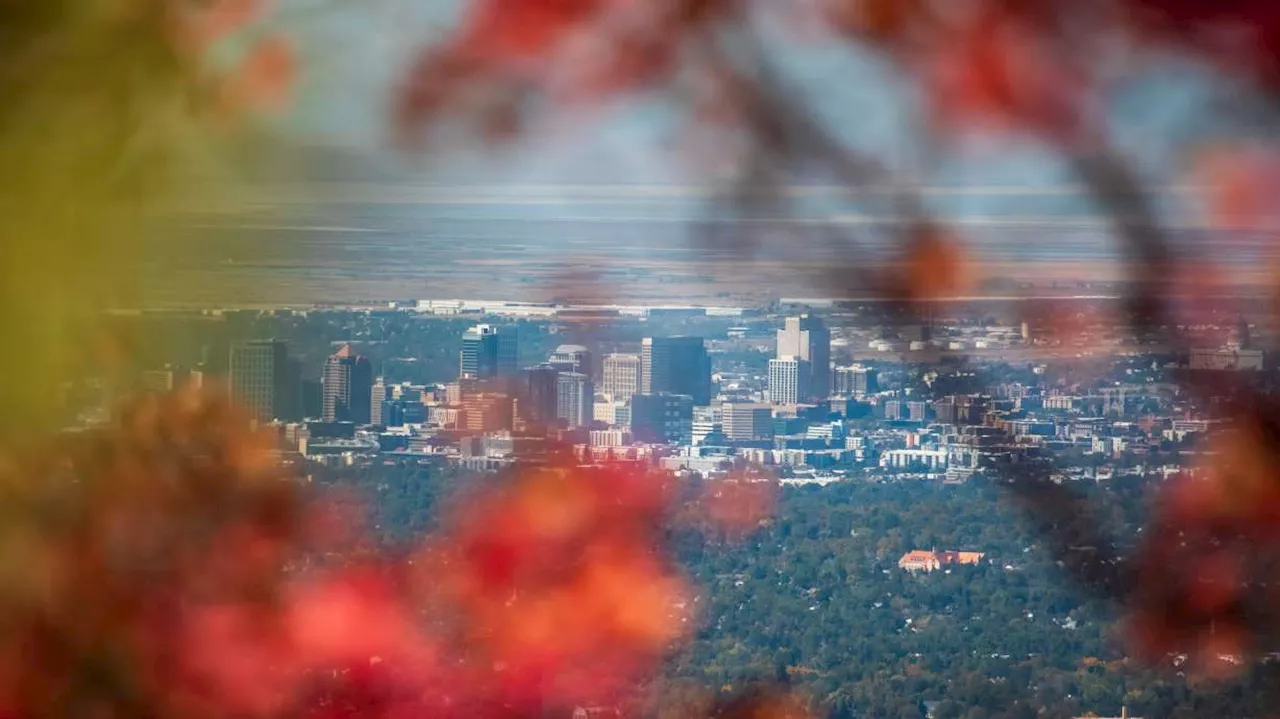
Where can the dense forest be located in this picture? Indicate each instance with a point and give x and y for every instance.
(814, 598)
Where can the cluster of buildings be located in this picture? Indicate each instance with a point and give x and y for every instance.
(664, 401)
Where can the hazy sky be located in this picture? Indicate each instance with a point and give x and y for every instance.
(354, 53)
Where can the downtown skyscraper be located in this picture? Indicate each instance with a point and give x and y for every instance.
(807, 339)
(620, 376)
(539, 394)
(348, 387)
(788, 381)
(377, 400)
(574, 399)
(488, 352)
(676, 365)
(264, 380)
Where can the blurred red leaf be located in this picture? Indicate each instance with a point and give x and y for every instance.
(523, 30)
(264, 78)
(1239, 186)
(934, 266)
(997, 70)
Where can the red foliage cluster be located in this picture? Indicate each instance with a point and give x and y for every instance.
(559, 581)
(569, 49)
(1027, 62)
(265, 73)
(1021, 63)
(1201, 554)
(159, 569)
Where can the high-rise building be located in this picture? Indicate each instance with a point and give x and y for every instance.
(291, 394)
(788, 381)
(806, 338)
(260, 376)
(540, 394)
(676, 365)
(348, 387)
(621, 376)
(573, 358)
(856, 381)
(380, 396)
(312, 398)
(575, 399)
(748, 422)
(488, 352)
(665, 418)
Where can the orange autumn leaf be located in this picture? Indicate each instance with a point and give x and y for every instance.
(219, 18)
(633, 596)
(195, 26)
(997, 71)
(1238, 186)
(934, 266)
(523, 30)
(264, 78)
(556, 506)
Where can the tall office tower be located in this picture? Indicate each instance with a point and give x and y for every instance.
(539, 394)
(676, 365)
(259, 376)
(573, 358)
(662, 418)
(807, 339)
(748, 422)
(348, 387)
(380, 396)
(575, 399)
(488, 352)
(290, 403)
(788, 380)
(855, 381)
(621, 376)
(312, 398)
